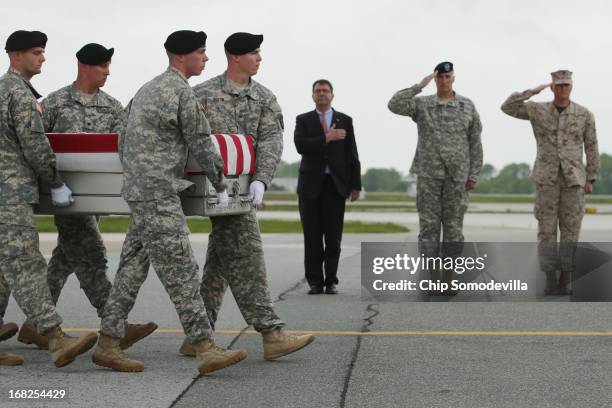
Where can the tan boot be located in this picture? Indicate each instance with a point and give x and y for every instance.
(278, 343)
(29, 335)
(64, 349)
(187, 349)
(109, 354)
(211, 357)
(136, 332)
(9, 359)
(8, 330)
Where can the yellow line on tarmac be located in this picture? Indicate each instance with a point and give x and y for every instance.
(483, 333)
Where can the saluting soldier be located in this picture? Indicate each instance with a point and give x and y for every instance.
(82, 107)
(25, 155)
(165, 121)
(562, 129)
(448, 157)
(235, 103)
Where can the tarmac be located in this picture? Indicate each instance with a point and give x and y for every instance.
(367, 353)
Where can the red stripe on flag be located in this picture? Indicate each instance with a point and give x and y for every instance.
(83, 142)
(239, 154)
(223, 150)
(249, 140)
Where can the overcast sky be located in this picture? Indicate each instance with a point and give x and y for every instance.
(368, 49)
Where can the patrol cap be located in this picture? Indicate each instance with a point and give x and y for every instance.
(242, 43)
(94, 54)
(22, 40)
(185, 41)
(563, 76)
(444, 67)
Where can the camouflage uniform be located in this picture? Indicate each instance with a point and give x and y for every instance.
(235, 252)
(80, 248)
(25, 155)
(164, 121)
(558, 172)
(448, 154)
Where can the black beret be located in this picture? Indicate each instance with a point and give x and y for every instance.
(94, 54)
(444, 67)
(185, 41)
(23, 40)
(242, 43)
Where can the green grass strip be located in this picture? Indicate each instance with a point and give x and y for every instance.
(202, 225)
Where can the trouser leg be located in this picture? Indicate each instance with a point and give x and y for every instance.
(25, 270)
(81, 250)
(311, 219)
(239, 260)
(333, 222)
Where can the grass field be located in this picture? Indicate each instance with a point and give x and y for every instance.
(474, 198)
(399, 207)
(202, 225)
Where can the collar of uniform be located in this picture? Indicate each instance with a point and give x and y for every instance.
(13, 71)
(450, 102)
(248, 91)
(571, 108)
(179, 73)
(75, 94)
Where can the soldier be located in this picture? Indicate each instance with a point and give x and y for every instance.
(25, 155)
(83, 107)
(164, 121)
(448, 157)
(234, 103)
(562, 130)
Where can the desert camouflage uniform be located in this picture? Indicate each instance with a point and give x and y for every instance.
(25, 155)
(164, 121)
(235, 253)
(448, 154)
(80, 248)
(559, 172)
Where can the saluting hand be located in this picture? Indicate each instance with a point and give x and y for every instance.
(425, 81)
(539, 89)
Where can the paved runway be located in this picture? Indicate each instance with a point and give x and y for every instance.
(367, 353)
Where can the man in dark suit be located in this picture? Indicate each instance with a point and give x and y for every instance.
(330, 173)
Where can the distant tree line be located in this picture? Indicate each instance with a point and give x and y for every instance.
(511, 179)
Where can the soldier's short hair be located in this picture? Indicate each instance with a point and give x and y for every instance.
(324, 82)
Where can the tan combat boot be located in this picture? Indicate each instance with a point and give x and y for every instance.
(8, 330)
(211, 357)
(109, 354)
(29, 335)
(187, 349)
(9, 359)
(278, 343)
(136, 332)
(64, 349)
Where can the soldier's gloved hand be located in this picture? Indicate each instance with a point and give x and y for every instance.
(61, 196)
(256, 190)
(222, 199)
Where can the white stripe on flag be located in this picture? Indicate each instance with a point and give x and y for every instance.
(232, 155)
(246, 154)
